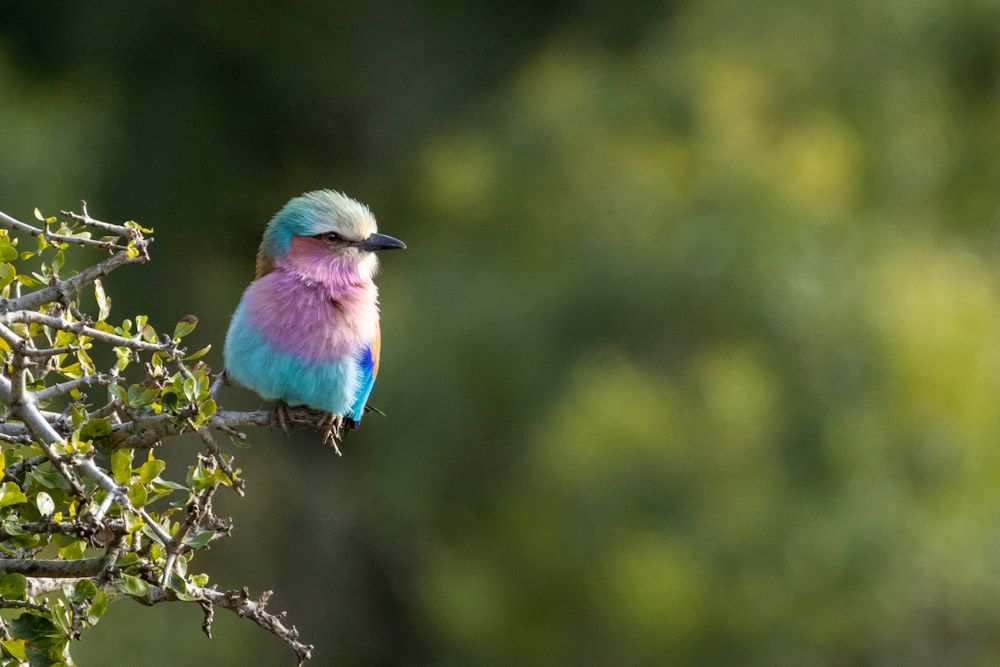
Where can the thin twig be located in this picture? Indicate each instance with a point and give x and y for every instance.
(54, 238)
(66, 387)
(213, 449)
(84, 218)
(241, 604)
(17, 604)
(80, 328)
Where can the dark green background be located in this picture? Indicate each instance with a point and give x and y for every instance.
(693, 358)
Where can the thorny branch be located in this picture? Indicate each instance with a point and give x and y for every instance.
(241, 604)
(43, 331)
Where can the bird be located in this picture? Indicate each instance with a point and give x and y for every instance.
(306, 331)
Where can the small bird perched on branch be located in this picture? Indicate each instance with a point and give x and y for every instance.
(306, 331)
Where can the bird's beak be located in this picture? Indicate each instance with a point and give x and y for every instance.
(379, 242)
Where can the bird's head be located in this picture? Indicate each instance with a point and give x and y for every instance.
(324, 229)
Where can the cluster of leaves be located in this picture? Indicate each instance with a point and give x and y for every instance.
(88, 512)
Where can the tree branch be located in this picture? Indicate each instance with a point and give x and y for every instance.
(147, 432)
(80, 328)
(56, 569)
(62, 388)
(241, 604)
(45, 338)
(57, 292)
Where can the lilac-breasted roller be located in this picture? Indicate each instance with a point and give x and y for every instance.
(306, 331)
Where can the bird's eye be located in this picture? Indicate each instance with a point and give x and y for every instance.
(330, 237)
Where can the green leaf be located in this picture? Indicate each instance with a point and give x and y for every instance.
(149, 334)
(118, 393)
(61, 613)
(7, 273)
(73, 551)
(166, 486)
(200, 540)
(205, 410)
(13, 586)
(132, 585)
(199, 354)
(150, 470)
(127, 559)
(62, 540)
(84, 590)
(151, 534)
(98, 608)
(133, 522)
(79, 415)
(28, 281)
(49, 479)
(57, 262)
(35, 628)
(191, 389)
(121, 466)
(199, 478)
(139, 396)
(10, 494)
(23, 542)
(124, 356)
(13, 528)
(7, 250)
(15, 647)
(72, 371)
(137, 495)
(86, 363)
(170, 400)
(99, 427)
(185, 326)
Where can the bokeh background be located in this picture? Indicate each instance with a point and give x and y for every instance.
(694, 357)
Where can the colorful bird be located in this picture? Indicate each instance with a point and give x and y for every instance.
(306, 331)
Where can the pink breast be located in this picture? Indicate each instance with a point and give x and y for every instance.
(312, 320)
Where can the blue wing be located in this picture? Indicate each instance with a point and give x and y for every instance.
(367, 369)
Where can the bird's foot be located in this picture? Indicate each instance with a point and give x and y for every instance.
(334, 427)
(333, 430)
(281, 414)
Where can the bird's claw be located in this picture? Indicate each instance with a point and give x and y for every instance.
(333, 427)
(333, 430)
(282, 416)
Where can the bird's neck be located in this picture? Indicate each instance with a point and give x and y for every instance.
(340, 274)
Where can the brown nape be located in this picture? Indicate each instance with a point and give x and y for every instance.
(264, 264)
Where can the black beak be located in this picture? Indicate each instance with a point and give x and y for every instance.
(379, 242)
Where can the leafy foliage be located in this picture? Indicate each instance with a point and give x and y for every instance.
(88, 512)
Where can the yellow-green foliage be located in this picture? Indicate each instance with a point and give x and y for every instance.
(85, 497)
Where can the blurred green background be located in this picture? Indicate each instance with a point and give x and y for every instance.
(693, 358)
